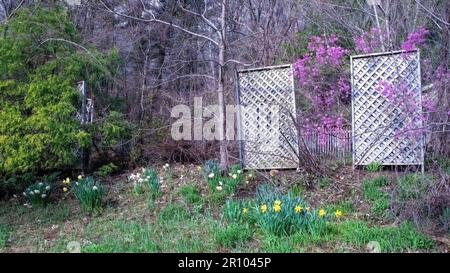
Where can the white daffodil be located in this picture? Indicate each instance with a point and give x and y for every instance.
(211, 175)
(94, 188)
(40, 183)
(234, 176)
(220, 183)
(80, 177)
(47, 188)
(44, 195)
(37, 192)
(31, 193)
(239, 171)
(219, 188)
(24, 194)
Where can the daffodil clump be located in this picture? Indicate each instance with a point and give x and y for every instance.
(222, 184)
(89, 193)
(286, 214)
(145, 179)
(38, 193)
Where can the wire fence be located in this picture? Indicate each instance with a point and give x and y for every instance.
(333, 142)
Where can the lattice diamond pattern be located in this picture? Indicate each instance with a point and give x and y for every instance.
(375, 121)
(267, 126)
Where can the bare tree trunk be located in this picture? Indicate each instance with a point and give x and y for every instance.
(220, 91)
(144, 86)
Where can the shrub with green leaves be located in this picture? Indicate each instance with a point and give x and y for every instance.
(38, 193)
(285, 214)
(39, 130)
(89, 193)
(374, 167)
(106, 169)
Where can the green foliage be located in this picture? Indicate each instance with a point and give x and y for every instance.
(152, 182)
(412, 186)
(89, 193)
(115, 129)
(374, 167)
(285, 214)
(4, 235)
(444, 218)
(372, 192)
(106, 170)
(391, 239)
(242, 211)
(38, 99)
(211, 166)
(191, 194)
(233, 234)
(38, 194)
(222, 186)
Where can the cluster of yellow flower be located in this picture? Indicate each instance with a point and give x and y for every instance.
(66, 182)
(277, 206)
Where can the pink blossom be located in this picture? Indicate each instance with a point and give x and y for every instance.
(415, 39)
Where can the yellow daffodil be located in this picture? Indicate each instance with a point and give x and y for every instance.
(245, 210)
(264, 208)
(277, 203)
(308, 209)
(65, 189)
(277, 208)
(80, 177)
(298, 209)
(338, 213)
(66, 181)
(322, 213)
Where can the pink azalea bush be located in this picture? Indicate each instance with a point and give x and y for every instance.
(322, 76)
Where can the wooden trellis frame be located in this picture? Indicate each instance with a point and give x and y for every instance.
(266, 118)
(375, 122)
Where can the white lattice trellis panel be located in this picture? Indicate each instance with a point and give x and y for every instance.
(378, 125)
(266, 118)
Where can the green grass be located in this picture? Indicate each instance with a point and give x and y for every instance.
(4, 236)
(233, 235)
(346, 207)
(391, 239)
(189, 235)
(191, 194)
(372, 190)
(124, 236)
(173, 212)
